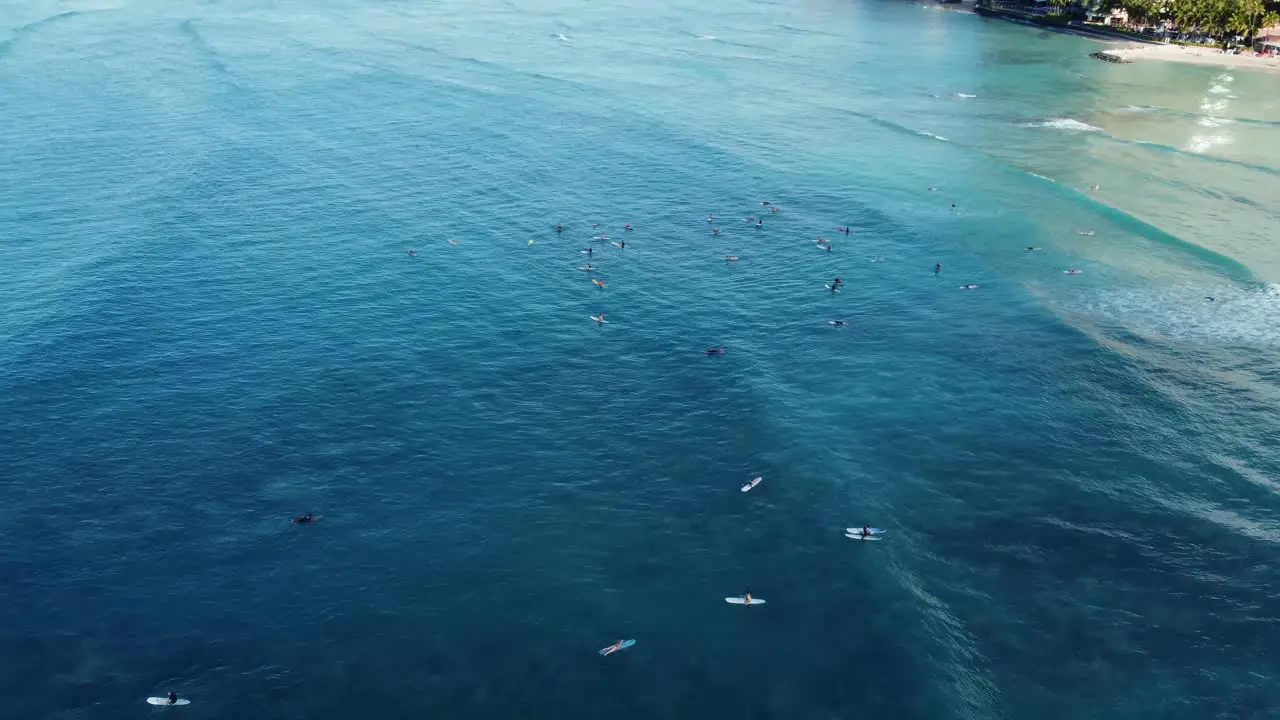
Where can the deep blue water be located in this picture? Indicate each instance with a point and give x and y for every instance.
(210, 323)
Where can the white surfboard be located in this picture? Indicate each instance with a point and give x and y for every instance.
(618, 245)
(181, 701)
(859, 536)
(752, 484)
(597, 319)
(743, 601)
(831, 288)
(858, 531)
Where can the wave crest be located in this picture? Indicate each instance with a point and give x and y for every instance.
(1067, 124)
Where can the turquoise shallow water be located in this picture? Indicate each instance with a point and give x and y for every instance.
(211, 323)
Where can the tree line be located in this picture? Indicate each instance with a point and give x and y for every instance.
(1221, 19)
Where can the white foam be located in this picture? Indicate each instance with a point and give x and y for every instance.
(1067, 124)
(1209, 105)
(1220, 90)
(965, 96)
(929, 134)
(707, 37)
(1240, 315)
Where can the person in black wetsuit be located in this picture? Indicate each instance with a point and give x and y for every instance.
(173, 698)
(305, 519)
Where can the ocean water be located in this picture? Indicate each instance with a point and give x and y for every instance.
(210, 322)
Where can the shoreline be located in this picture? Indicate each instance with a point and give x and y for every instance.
(1195, 56)
(1132, 49)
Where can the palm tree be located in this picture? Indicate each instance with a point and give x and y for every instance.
(1186, 14)
(1217, 17)
(1250, 16)
(1141, 11)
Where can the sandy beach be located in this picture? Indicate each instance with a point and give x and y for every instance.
(1198, 56)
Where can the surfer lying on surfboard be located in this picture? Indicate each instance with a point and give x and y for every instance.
(301, 520)
(620, 645)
